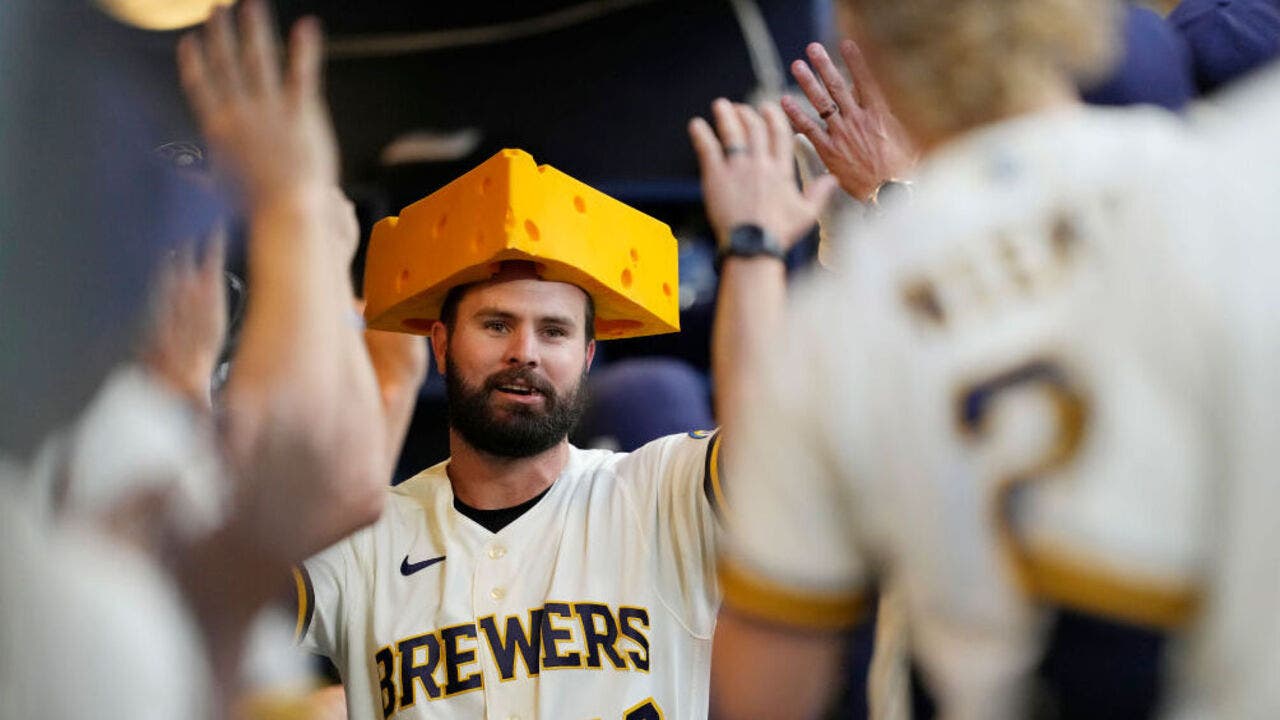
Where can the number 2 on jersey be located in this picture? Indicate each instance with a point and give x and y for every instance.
(1070, 415)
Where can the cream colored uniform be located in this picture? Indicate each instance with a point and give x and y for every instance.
(598, 602)
(1003, 404)
(1238, 651)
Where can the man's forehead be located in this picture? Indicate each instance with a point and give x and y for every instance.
(524, 295)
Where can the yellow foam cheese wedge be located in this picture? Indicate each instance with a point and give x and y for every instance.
(510, 208)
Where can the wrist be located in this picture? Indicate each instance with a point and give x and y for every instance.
(749, 241)
(289, 199)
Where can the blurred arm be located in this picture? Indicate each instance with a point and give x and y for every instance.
(771, 673)
(400, 363)
(304, 427)
(748, 177)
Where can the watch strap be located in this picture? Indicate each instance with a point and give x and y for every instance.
(747, 241)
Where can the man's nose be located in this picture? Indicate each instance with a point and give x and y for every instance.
(523, 348)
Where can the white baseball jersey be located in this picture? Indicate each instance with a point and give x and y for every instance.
(597, 602)
(71, 592)
(1238, 650)
(1002, 407)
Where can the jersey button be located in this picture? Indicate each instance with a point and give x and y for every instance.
(497, 551)
(497, 593)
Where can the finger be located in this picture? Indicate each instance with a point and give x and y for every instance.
(780, 135)
(707, 147)
(305, 44)
(193, 72)
(757, 131)
(729, 125)
(845, 97)
(864, 82)
(807, 125)
(224, 67)
(812, 87)
(819, 191)
(259, 53)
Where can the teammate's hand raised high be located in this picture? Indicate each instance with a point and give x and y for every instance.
(269, 133)
(856, 134)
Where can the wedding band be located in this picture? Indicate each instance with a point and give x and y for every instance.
(731, 150)
(829, 112)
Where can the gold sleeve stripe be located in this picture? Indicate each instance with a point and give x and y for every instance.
(711, 476)
(306, 601)
(1065, 580)
(755, 597)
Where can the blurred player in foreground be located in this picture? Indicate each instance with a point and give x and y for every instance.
(1012, 401)
(302, 438)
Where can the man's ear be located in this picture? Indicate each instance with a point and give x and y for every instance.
(440, 344)
(591, 354)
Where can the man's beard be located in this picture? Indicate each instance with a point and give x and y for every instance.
(526, 430)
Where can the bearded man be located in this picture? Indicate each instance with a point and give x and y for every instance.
(524, 577)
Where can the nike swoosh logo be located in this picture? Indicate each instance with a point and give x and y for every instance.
(407, 568)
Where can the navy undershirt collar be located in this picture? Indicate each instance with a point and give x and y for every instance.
(495, 520)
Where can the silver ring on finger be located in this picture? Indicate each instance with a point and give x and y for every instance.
(735, 149)
(833, 110)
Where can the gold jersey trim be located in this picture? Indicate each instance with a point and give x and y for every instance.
(1062, 578)
(750, 595)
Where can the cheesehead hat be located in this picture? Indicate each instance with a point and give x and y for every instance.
(510, 208)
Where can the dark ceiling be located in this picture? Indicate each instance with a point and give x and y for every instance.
(601, 89)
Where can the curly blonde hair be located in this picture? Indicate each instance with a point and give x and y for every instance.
(956, 64)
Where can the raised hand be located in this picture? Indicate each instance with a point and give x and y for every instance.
(269, 134)
(855, 133)
(748, 173)
(303, 429)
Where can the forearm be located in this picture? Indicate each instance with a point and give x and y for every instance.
(303, 382)
(400, 363)
(768, 673)
(750, 313)
(398, 403)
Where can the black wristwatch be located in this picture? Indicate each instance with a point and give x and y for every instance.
(749, 240)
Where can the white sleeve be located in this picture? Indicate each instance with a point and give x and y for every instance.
(673, 481)
(790, 555)
(328, 585)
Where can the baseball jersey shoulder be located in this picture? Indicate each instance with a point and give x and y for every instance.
(668, 483)
(425, 486)
(337, 583)
(678, 460)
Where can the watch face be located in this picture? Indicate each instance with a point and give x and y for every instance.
(747, 240)
(750, 241)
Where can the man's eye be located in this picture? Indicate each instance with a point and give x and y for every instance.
(556, 332)
(495, 325)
